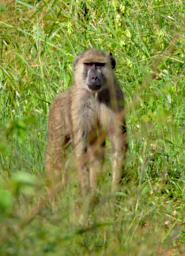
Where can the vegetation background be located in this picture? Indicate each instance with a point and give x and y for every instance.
(38, 42)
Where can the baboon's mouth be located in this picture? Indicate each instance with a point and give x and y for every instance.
(94, 87)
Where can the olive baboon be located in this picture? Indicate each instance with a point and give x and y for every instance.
(87, 113)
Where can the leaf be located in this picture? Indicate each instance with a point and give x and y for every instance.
(6, 201)
(23, 178)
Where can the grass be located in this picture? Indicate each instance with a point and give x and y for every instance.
(38, 42)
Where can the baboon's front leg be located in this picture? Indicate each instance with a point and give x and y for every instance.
(96, 156)
(94, 169)
(119, 148)
(80, 146)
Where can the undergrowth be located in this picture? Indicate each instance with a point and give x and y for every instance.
(38, 43)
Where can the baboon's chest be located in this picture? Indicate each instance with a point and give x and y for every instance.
(97, 114)
(90, 113)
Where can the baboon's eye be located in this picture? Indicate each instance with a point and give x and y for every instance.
(96, 64)
(89, 64)
(99, 64)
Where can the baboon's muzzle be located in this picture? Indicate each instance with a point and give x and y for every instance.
(94, 81)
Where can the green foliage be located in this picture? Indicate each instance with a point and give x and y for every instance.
(23, 183)
(6, 201)
(38, 42)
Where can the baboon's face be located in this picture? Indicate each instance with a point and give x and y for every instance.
(94, 68)
(94, 75)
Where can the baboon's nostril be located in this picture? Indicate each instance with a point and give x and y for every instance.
(94, 78)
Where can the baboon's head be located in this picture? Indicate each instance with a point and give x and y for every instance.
(93, 69)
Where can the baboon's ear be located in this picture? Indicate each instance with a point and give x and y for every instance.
(76, 61)
(112, 60)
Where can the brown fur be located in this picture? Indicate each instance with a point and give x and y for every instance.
(85, 118)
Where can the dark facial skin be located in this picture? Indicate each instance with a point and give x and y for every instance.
(94, 75)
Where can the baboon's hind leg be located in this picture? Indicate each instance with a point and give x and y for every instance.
(96, 157)
(56, 139)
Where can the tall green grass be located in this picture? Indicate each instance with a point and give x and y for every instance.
(38, 43)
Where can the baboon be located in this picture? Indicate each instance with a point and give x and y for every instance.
(85, 115)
